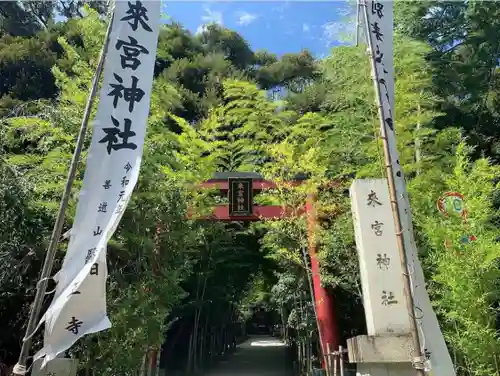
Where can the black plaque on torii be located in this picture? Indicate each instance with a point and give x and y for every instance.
(240, 197)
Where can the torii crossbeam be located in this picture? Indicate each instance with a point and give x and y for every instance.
(221, 181)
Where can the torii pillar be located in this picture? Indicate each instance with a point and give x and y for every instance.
(324, 302)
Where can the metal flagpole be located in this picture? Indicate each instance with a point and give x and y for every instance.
(20, 368)
(357, 22)
(394, 201)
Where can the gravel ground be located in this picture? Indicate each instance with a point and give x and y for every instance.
(258, 356)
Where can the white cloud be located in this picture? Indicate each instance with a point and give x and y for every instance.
(305, 28)
(342, 32)
(331, 30)
(210, 17)
(200, 29)
(280, 9)
(245, 18)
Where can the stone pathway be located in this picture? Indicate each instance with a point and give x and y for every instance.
(258, 356)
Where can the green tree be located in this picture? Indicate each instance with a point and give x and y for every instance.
(464, 37)
(24, 19)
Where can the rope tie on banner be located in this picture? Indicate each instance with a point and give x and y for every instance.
(427, 363)
(33, 332)
(43, 280)
(401, 195)
(409, 273)
(40, 323)
(419, 362)
(418, 317)
(19, 370)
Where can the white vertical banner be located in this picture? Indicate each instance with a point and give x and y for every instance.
(379, 261)
(114, 158)
(381, 20)
(380, 31)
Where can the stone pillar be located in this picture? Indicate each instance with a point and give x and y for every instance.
(387, 348)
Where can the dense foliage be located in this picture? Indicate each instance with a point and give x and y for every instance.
(187, 284)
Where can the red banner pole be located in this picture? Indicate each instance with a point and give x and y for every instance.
(324, 302)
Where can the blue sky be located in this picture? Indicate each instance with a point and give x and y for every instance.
(278, 26)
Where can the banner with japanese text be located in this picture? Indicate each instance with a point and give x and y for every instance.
(114, 158)
(380, 27)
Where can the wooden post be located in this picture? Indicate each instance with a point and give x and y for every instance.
(341, 360)
(153, 359)
(328, 356)
(324, 303)
(335, 362)
(142, 370)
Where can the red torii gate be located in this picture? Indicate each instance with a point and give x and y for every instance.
(224, 181)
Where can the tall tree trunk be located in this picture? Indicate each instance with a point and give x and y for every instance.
(200, 295)
(283, 314)
(212, 347)
(192, 337)
(197, 322)
(199, 356)
(190, 354)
